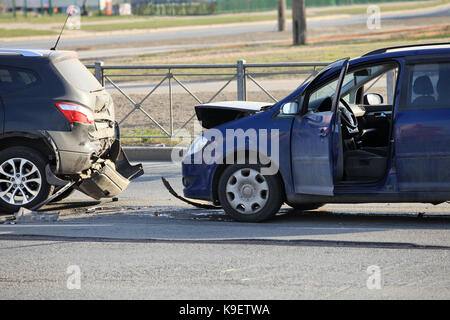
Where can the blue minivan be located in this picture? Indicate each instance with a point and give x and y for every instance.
(371, 129)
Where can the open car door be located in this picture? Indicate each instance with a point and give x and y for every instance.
(315, 139)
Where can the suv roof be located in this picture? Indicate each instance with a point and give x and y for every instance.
(52, 54)
(22, 52)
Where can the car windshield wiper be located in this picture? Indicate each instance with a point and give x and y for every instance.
(267, 107)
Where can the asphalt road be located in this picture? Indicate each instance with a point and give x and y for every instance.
(149, 245)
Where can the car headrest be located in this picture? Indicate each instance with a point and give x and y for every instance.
(422, 85)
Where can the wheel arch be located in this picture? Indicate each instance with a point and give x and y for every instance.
(248, 154)
(39, 142)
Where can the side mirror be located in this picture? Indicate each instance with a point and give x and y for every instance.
(289, 108)
(373, 99)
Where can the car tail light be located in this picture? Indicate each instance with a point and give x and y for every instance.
(75, 113)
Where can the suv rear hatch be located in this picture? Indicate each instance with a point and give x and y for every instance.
(99, 101)
(111, 172)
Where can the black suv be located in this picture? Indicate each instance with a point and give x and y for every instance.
(56, 125)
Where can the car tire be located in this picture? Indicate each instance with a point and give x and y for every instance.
(248, 196)
(306, 206)
(22, 179)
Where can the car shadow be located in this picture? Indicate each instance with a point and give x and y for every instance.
(68, 205)
(325, 216)
(115, 221)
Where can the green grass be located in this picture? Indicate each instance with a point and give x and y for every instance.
(283, 53)
(155, 23)
(9, 33)
(146, 141)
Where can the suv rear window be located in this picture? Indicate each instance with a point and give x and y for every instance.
(77, 74)
(15, 79)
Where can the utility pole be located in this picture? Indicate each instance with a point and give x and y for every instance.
(281, 15)
(299, 21)
(14, 8)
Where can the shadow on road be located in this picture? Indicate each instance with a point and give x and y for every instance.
(113, 221)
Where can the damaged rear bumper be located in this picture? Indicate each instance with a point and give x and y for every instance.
(110, 177)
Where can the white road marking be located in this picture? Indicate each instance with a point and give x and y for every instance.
(53, 225)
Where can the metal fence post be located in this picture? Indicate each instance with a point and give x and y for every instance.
(241, 81)
(170, 76)
(98, 72)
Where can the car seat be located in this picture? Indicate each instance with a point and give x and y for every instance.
(424, 88)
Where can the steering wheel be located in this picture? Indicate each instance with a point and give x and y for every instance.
(348, 118)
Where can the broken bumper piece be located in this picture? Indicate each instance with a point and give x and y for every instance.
(110, 178)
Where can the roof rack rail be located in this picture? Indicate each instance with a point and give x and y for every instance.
(23, 52)
(383, 50)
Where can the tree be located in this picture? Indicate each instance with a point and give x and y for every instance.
(299, 22)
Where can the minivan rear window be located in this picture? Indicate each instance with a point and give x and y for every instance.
(77, 74)
(429, 86)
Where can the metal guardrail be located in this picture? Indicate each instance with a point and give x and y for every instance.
(241, 72)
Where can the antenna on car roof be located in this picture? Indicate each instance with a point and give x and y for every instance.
(69, 13)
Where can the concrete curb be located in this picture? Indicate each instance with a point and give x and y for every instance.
(152, 153)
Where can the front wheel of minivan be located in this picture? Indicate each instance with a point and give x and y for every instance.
(22, 179)
(247, 195)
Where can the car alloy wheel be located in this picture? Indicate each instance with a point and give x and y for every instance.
(247, 191)
(22, 178)
(20, 181)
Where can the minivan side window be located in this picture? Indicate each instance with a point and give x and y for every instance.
(429, 86)
(383, 84)
(15, 79)
(380, 79)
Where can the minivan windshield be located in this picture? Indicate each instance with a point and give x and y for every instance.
(77, 74)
